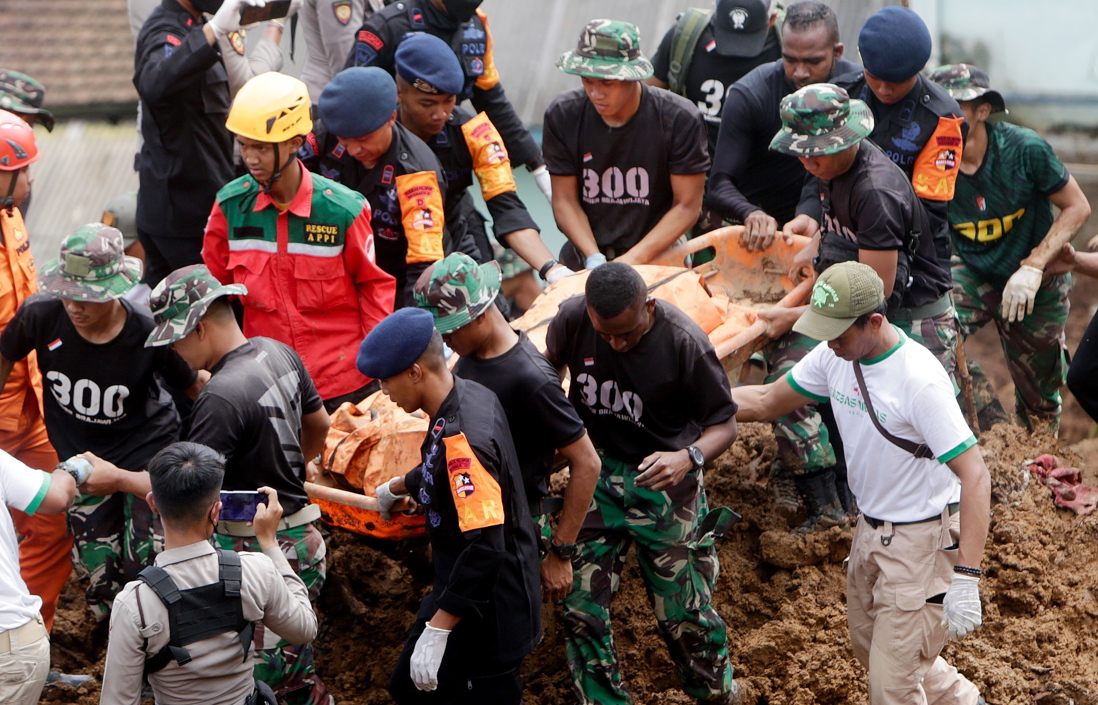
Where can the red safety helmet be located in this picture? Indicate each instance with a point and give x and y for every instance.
(17, 145)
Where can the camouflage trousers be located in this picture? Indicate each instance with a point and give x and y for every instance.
(938, 334)
(289, 669)
(114, 538)
(804, 445)
(1034, 347)
(679, 565)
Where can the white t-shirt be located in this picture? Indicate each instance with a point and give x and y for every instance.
(914, 399)
(24, 489)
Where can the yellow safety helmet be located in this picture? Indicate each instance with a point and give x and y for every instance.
(271, 107)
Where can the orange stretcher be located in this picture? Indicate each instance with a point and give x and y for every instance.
(375, 440)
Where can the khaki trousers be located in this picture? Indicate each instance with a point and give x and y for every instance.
(895, 633)
(24, 667)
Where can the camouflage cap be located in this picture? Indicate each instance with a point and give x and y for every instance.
(842, 293)
(968, 82)
(92, 266)
(456, 290)
(121, 213)
(21, 94)
(607, 49)
(821, 119)
(180, 301)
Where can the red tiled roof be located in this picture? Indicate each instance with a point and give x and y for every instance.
(81, 50)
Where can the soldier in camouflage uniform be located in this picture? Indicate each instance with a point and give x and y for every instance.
(1005, 238)
(869, 213)
(103, 399)
(656, 401)
(24, 96)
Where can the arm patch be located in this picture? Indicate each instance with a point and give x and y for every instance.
(476, 493)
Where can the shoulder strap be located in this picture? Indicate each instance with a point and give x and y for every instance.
(165, 588)
(684, 39)
(919, 450)
(230, 574)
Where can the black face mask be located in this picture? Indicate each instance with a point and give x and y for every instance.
(462, 10)
(209, 6)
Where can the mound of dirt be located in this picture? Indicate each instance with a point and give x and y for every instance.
(781, 598)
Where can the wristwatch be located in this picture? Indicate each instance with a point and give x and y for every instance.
(546, 267)
(565, 551)
(696, 457)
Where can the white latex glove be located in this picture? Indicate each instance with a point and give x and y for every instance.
(1021, 292)
(596, 260)
(427, 656)
(557, 273)
(962, 610)
(386, 498)
(544, 182)
(295, 5)
(227, 17)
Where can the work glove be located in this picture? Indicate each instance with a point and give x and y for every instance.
(427, 656)
(962, 611)
(227, 17)
(295, 5)
(1021, 292)
(557, 273)
(596, 260)
(544, 182)
(386, 498)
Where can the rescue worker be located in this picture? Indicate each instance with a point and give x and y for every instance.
(44, 551)
(300, 243)
(328, 28)
(361, 145)
(760, 188)
(463, 26)
(22, 95)
(919, 478)
(232, 592)
(261, 411)
(628, 161)
(1005, 236)
(25, 656)
(482, 615)
(655, 399)
(428, 78)
(870, 214)
(107, 396)
(459, 293)
(707, 51)
(186, 153)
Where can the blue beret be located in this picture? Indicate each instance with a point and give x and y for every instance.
(396, 343)
(357, 101)
(428, 64)
(894, 44)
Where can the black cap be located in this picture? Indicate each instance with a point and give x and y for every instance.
(740, 27)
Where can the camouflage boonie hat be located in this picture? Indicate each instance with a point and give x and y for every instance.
(607, 49)
(456, 290)
(21, 94)
(180, 301)
(968, 82)
(92, 267)
(821, 119)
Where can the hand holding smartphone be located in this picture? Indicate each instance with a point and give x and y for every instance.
(240, 505)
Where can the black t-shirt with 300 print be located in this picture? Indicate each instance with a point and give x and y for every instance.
(624, 173)
(659, 395)
(100, 397)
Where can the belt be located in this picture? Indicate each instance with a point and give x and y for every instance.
(546, 505)
(954, 507)
(930, 310)
(241, 529)
(25, 635)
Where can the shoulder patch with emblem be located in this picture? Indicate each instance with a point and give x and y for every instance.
(477, 496)
(236, 39)
(342, 10)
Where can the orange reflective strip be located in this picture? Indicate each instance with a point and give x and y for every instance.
(490, 160)
(422, 215)
(490, 77)
(477, 496)
(937, 166)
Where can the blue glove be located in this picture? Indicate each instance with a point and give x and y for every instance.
(596, 260)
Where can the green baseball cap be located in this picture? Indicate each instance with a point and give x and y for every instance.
(968, 82)
(842, 293)
(457, 290)
(92, 266)
(180, 301)
(607, 49)
(821, 119)
(21, 94)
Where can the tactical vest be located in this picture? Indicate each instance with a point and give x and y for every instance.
(198, 613)
(470, 43)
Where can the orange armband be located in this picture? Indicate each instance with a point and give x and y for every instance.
(490, 77)
(937, 166)
(490, 160)
(477, 496)
(422, 215)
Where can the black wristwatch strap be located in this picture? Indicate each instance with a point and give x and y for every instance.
(546, 267)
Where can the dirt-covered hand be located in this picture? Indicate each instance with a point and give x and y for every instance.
(779, 320)
(759, 231)
(1064, 261)
(556, 578)
(962, 610)
(663, 470)
(427, 656)
(1021, 292)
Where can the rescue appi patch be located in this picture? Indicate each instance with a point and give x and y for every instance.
(322, 234)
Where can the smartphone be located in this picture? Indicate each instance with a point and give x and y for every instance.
(273, 10)
(239, 505)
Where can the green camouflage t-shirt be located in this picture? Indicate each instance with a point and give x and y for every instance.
(1000, 213)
